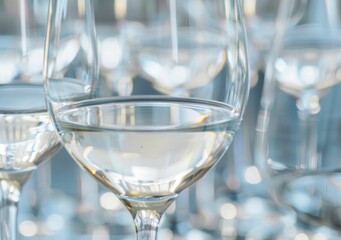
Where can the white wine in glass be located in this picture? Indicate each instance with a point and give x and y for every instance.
(149, 113)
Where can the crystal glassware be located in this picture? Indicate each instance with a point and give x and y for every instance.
(27, 136)
(298, 143)
(150, 96)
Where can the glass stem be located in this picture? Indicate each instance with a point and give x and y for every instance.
(308, 149)
(10, 196)
(309, 143)
(146, 224)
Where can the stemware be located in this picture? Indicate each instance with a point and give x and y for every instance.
(150, 96)
(27, 136)
(298, 141)
(260, 20)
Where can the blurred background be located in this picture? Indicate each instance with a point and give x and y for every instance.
(231, 202)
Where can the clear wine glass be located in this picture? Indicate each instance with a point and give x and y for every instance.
(27, 135)
(298, 126)
(176, 95)
(260, 20)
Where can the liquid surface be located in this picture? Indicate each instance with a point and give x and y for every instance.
(27, 136)
(147, 148)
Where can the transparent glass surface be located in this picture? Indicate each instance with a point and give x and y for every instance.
(146, 96)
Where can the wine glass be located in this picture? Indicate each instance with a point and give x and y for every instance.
(298, 140)
(260, 19)
(27, 136)
(177, 92)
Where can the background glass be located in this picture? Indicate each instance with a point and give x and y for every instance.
(238, 204)
(299, 115)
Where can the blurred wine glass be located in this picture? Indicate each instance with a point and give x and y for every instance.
(297, 138)
(260, 21)
(27, 136)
